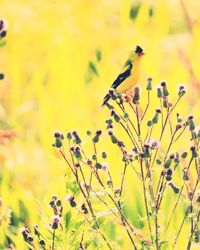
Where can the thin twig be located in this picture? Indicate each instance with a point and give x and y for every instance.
(147, 106)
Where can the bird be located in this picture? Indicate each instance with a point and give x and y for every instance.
(129, 75)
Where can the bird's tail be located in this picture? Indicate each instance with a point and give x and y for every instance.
(105, 100)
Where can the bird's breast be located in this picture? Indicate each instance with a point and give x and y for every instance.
(130, 81)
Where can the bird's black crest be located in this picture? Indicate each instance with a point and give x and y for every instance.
(138, 49)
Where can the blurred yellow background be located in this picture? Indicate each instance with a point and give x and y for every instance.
(59, 60)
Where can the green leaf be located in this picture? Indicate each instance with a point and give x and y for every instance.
(98, 55)
(93, 68)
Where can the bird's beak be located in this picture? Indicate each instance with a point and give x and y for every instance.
(141, 54)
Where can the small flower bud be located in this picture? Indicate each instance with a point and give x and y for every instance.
(159, 92)
(89, 162)
(98, 132)
(163, 84)
(155, 118)
(98, 165)
(174, 188)
(136, 96)
(126, 116)
(165, 91)
(55, 221)
(29, 238)
(109, 121)
(88, 132)
(72, 203)
(154, 144)
(84, 185)
(105, 167)
(190, 117)
(1, 24)
(94, 157)
(191, 122)
(194, 152)
(197, 132)
(36, 232)
(1, 76)
(110, 131)
(184, 155)
(3, 33)
(158, 110)
(77, 165)
(109, 182)
(78, 155)
(168, 177)
(104, 155)
(178, 126)
(57, 134)
(185, 176)
(77, 149)
(136, 157)
(58, 203)
(168, 163)
(164, 88)
(69, 197)
(77, 139)
(141, 154)
(69, 136)
(24, 233)
(124, 158)
(113, 139)
(117, 191)
(149, 84)
(169, 171)
(165, 102)
(130, 155)
(52, 203)
(84, 209)
(172, 156)
(117, 117)
(181, 90)
(54, 197)
(58, 143)
(146, 151)
(54, 225)
(158, 161)
(95, 138)
(149, 123)
(109, 106)
(120, 144)
(42, 243)
(179, 118)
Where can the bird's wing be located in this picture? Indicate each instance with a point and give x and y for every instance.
(121, 77)
(125, 74)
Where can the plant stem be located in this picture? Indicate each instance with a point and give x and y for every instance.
(53, 239)
(145, 199)
(193, 230)
(138, 120)
(177, 236)
(147, 106)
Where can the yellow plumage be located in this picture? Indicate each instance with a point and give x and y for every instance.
(132, 80)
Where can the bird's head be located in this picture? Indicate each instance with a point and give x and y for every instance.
(136, 52)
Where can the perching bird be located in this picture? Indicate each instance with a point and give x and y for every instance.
(128, 78)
